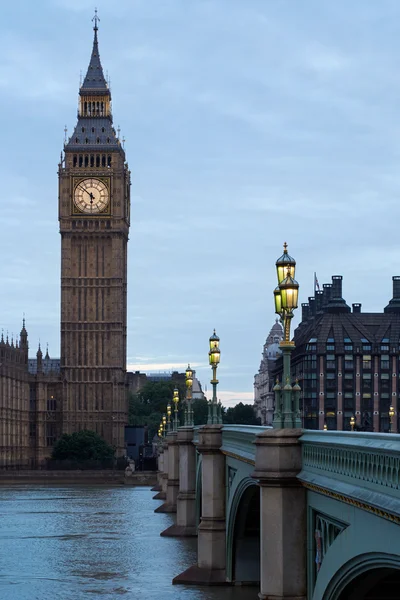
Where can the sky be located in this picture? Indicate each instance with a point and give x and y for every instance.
(247, 124)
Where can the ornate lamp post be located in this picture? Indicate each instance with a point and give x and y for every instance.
(175, 400)
(286, 294)
(352, 422)
(164, 424)
(391, 415)
(169, 417)
(325, 427)
(214, 354)
(188, 409)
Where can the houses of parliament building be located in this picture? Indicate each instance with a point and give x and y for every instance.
(42, 398)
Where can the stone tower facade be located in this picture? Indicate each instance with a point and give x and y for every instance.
(94, 216)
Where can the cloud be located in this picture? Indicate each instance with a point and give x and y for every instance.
(229, 399)
(159, 367)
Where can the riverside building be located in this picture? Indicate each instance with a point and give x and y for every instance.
(347, 362)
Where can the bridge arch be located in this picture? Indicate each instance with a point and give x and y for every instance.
(243, 533)
(365, 576)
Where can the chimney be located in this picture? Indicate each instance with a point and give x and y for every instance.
(311, 302)
(356, 307)
(394, 303)
(337, 286)
(305, 311)
(336, 303)
(319, 296)
(327, 287)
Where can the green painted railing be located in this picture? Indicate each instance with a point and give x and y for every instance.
(363, 466)
(238, 441)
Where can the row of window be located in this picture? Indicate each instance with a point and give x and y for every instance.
(87, 141)
(91, 160)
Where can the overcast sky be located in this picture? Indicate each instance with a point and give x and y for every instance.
(247, 123)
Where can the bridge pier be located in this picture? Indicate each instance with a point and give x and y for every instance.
(160, 469)
(163, 474)
(186, 500)
(172, 481)
(211, 553)
(283, 530)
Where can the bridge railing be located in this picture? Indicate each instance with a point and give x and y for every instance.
(364, 466)
(237, 441)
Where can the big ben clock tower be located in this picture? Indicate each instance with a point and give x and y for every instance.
(94, 203)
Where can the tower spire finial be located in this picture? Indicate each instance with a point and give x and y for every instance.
(96, 20)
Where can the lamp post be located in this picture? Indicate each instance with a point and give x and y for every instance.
(325, 427)
(352, 422)
(286, 294)
(391, 415)
(189, 409)
(175, 400)
(164, 424)
(214, 408)
(168, 417)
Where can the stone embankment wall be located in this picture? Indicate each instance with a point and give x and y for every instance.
(78, 477)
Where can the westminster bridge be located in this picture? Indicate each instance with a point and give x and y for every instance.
(302, 514)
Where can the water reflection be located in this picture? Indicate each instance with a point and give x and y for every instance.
(88, 542)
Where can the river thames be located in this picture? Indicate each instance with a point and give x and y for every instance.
(87, 542)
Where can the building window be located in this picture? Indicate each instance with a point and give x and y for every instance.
(348, 361)
(330, 347)
(385, 384)
(32, 430)
(384, 348)
(51, 403)
(366, 361)
(330, 361)
(348, 401)
(384, 361)
(367, 382)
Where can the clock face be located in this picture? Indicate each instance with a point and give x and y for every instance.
(91, 196)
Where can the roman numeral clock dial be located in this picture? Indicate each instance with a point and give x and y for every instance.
(91, 196)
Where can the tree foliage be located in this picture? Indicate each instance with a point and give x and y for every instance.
(147, 406)
(241, 414)
(81, 446)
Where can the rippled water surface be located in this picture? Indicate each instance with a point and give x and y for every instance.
(88, 542)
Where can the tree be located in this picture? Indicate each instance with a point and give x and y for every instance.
(200, 411)
(81, 446)
(241, 414)
(148, 405)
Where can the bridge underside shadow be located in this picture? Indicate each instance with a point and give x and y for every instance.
(376, 584)
(246, 539)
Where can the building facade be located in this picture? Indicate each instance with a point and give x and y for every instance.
(94, 216)
(347, 362)
(263, 380)
(42, 398)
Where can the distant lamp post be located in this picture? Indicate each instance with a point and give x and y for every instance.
(189, 408)
(325, 427)
(214, 354)
(352, 422)
(164, 424)
(169, 417)
(391, 415)
(175, 400)
(286, 295)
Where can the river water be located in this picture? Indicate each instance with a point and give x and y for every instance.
(89, 542)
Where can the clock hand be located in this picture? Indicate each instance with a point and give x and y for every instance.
(83, 189)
